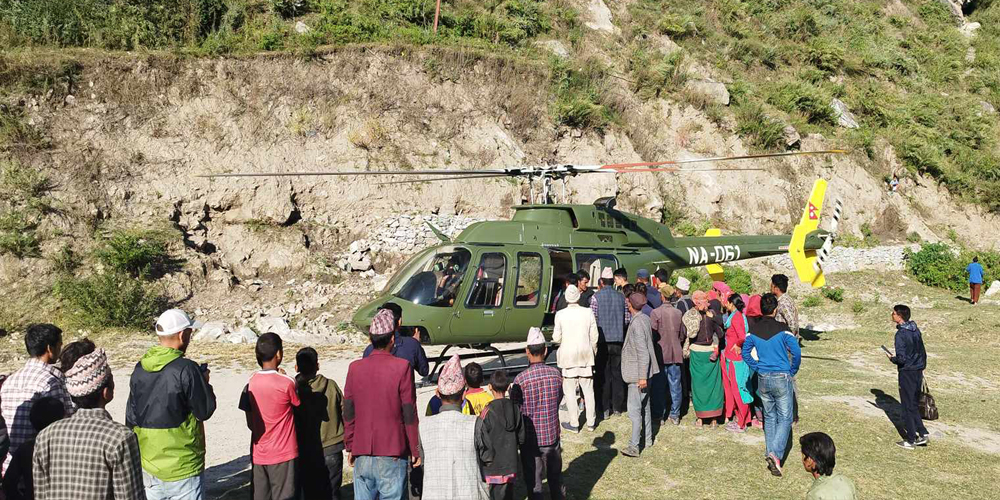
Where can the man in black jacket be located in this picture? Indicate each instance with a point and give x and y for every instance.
(910, 360)
(499, 434)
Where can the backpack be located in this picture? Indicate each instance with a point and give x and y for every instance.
(928, 410)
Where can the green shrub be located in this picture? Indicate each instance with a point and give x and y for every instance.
(580, 94)
(111, 299)
(935, 264)
(835, 294)
(914, 237)
(656, 76)
(700, 280)
(805, 98)
(762, 131)
(135, 253)
(738, 279)
(812, 301)
(825, 54)
(65, 261)
(858, 307)
(22, 207)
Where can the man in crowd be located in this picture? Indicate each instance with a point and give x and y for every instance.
(17, 482)
(668, 330)
(88, 456)
(541, 387)
(451, 464)
(499, 434)
(786, 313)
(910, 361)
(39, 378)
(608, 306)
(681, 300)
(575, 331)
(621, 278)
(653, 298)
(570, 281)
(819, 457)
(583, 284)
(638, 366)
(169, 401)
(775, 370)
(380, 417)
(405, 346)
(319, 426)
(975, 270)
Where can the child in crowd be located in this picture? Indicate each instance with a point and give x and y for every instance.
(319, 425)
(268, 400)
(476, 398)
(18, 483)
(499, 434)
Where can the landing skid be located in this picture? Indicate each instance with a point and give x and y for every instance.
(490, 351)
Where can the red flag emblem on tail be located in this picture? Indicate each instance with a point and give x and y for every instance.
(812, 212)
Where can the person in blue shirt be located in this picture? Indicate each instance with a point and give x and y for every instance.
(766, 351)
(405, 346)
(975, 271)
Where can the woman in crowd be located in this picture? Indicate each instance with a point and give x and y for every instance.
(735, 373)
(704, 327)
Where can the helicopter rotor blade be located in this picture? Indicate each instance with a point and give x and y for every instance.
(459, 173)
(686, 170)
(626, 167)
(439, 179)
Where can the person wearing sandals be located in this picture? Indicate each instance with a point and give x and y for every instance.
(735, 373)
(704, 330)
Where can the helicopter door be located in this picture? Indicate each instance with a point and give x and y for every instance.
(482, 313)
(562, 265)
(526, 307)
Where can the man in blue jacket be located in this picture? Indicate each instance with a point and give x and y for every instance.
(975, 270)
(773, 343)
(910, 361)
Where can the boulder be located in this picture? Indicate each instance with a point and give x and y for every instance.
(844, 116)
(272, 324)
(969, 29)
(987, 108)
(301, 28)
(555, 47)
(716, 92)
(359, 263)
(211, 332)
(244, 335)
(599, 17)
(993, 289)
(791, 136)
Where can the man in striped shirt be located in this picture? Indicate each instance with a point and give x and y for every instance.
(39, 378)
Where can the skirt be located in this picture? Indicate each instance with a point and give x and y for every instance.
(707, 392)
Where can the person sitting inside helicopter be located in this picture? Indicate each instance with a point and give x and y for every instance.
(583, 284)
(560, 301)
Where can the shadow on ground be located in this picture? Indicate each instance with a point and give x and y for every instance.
(892, 408)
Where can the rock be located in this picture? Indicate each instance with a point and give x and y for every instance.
(599, 17)
(276, 311)
(301, 28)
(70, 100)
(993, 289)
(987, 108)
(716, 92)
(554, 46)
(791, 135)
(359, 246)
(272, 324)
(969, 29)
(955, 7)
(244, 335)
(211, 332)
(360, 263)
(844, 117)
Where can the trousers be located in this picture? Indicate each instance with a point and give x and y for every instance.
(909, 397)
(974, 289)
(185, 489)
(613, 390)
(775, 391)
(539, 463)
(380, 477)
(276, 482)
(323, 476)
(640, 415)
(569, 396)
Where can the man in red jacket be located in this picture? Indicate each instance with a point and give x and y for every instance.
(380, 417)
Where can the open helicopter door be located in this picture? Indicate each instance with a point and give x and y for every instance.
(481, 312)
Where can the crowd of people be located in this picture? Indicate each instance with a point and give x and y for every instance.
(646, 349)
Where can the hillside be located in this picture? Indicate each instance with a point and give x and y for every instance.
(108, 116)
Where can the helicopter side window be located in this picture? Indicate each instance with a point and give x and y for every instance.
(594, 264)
(487, 290)
(529, 280)
(434, 279)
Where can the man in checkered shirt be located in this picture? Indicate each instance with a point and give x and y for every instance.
(541, 387)
(88, 456)
(39, 378)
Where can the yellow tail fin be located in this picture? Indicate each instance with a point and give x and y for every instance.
(715, 270)
(805, 260)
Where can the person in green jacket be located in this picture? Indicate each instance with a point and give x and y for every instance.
(169, 401)
(319, 426)
(819, 456)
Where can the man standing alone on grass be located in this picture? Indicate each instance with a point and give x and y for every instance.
(88, 456)
(169, 399)
(975, 270)
(638, 366)
(608, 306)
(540, 386)
(39, 378)
(380, 417)
(775, 372)
(910, 361)
(576, 333)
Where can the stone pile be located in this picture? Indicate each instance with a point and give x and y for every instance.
(358, 258)
(845, 259)
(407, 234)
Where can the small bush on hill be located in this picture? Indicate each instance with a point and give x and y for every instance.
(22, 207)
(753, 123)
(111, 299)
(938, 265)
(700, 280)
(580, 94)
(835, 294)
(139, 254)
(812, 301)
(738, 279)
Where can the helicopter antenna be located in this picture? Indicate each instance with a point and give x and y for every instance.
(545, 173)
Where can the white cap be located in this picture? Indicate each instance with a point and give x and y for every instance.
(535, 336)
(572, 294)
(607, 274)
(175, 321)
(683, 284)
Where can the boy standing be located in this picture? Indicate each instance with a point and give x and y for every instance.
(499, 433)
(268, 400)
(319, 425)
(476, 398)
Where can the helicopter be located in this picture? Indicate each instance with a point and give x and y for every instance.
(496, 279)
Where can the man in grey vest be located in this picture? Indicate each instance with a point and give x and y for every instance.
(608, 306)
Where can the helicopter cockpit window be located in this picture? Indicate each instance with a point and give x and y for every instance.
(529, 280)
(487, 290)
(595, 263)
(435, 279)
